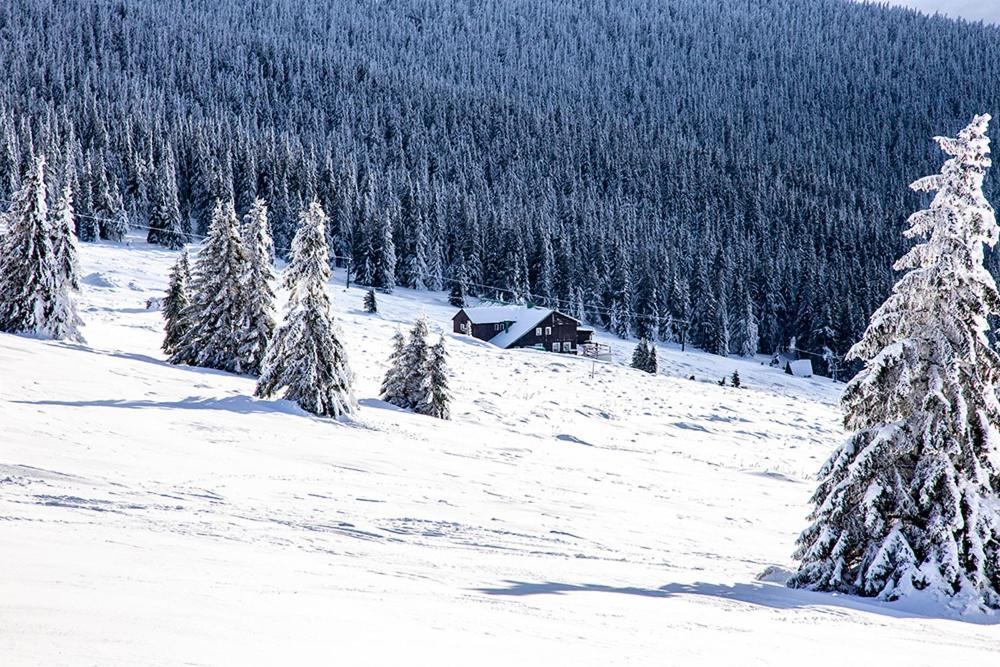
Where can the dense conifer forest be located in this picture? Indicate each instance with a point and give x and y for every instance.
(658, 167)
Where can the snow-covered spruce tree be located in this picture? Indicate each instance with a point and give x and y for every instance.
(619, 322)
(371, 303)
(747, 332)
(106, 203)
(434, 397)
(640, 356)
(218, 299)
(719, 341)
(652, 366)
(165, 225)
(383, 254)
(909, 503)
(414, 362)
(258, 309)
(393, 385)
(31, 278)
(306, 358)
(456, 297)
(403, 385)
(64, 321)
(175, 305)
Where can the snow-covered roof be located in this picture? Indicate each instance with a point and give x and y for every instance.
(527, 319)
(802, 368)
(519, 320)
(493, 314)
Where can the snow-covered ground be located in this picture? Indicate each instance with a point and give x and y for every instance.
(571, 513)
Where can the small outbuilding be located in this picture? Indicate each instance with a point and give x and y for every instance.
(523, 326)
(800, 368)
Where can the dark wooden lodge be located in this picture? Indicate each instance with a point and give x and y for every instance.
(523, 326)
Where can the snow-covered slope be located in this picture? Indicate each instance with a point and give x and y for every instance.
(571, 513)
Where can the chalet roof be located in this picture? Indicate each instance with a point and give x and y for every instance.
(528, 319)
(495, 314)
(520, 320)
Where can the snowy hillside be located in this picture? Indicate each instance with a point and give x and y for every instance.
(571, 513)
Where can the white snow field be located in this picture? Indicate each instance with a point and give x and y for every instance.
(160, 515)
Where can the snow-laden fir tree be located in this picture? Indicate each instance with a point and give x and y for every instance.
(640, 356)
(433, 398)
(394, 383)
(414, 225)
(106, 203)
(652, 365)
(258, 309)
(219, 297)
(371, 303)
(165, 225)
(644, 357)
(719, 340)
(414, 362)
(383, 258)
(175, 305)
(64, 321)
(909, 503)
(35, 282)
(747, 332)
(456, 296)
(306, 359)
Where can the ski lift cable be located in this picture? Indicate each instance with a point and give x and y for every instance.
(594, 308)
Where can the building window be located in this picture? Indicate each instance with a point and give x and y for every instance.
(548, 331)
(567, 347)
(496, 327)
(538, 331)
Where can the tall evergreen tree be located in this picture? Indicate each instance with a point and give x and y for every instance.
(371, 303)
(394, 383)
(652, 364)
(175, 305)
(719, 336)
(640, 355)
(166, 227)
(747, 334)
(106, 203)
(64, 321)
(644, 357)
(383, 259)
(258, 308)
(434, 398)
(909, 503)
(414, 362)
(456, 296)
(87, 224)
(306, 358)
(32, 294)
(219, 297)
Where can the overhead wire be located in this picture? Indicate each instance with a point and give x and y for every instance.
(591, 307)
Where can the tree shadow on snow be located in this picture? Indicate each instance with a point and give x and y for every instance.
(773, 596)
(143, 358)
(237, 404)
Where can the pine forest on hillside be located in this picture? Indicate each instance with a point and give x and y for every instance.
(660, 168)
(584, 332)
